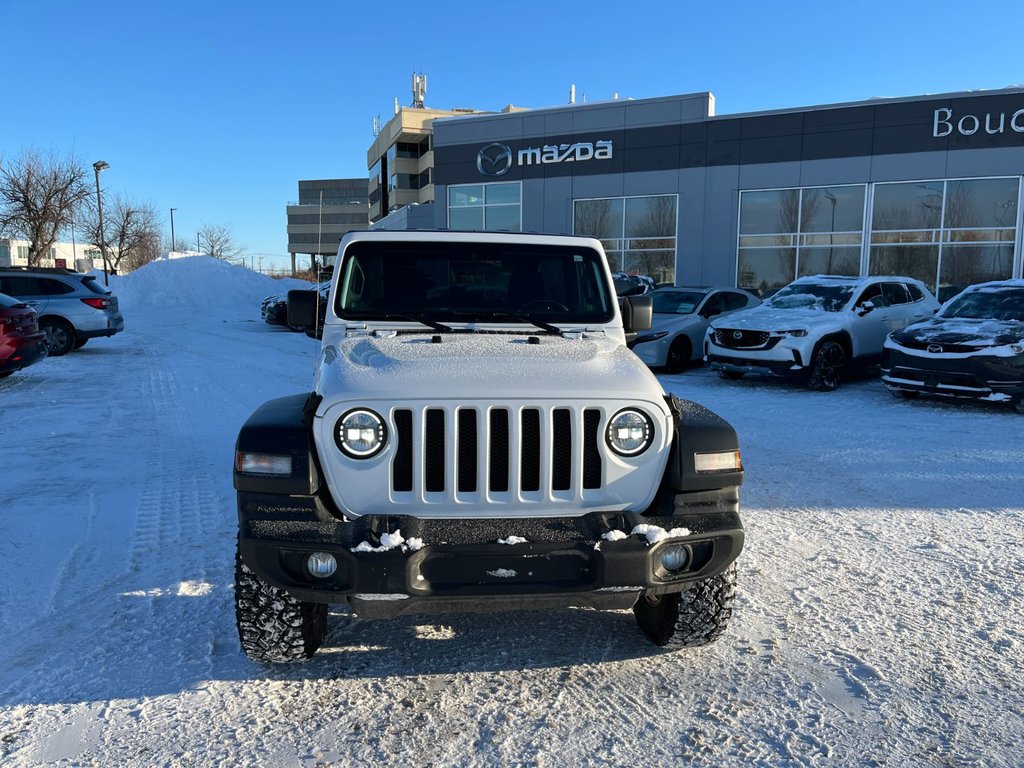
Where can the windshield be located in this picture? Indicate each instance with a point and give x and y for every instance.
(444, 281)
(1004, 303)
(828, 298)
(676, 302)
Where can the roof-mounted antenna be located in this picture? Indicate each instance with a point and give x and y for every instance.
(419, 90)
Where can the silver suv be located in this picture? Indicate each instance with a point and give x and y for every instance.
(72, 307)
(816, 328)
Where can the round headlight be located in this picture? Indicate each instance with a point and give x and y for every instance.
(360, 434)
(630, 432)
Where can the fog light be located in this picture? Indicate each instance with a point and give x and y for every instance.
(321, 564)
(675, 557)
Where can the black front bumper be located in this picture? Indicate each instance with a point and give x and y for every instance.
(460, 561)
(976, 377)
(784, 368)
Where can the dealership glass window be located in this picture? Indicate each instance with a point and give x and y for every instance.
(638, 233)
(947, 234)
(488, 207)
(790, 233)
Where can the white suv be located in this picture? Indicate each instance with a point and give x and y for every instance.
(816, 328)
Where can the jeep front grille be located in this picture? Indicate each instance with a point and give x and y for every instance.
(496, 452)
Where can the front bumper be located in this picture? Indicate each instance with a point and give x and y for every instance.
(969, 376)
(459, 564)
(781, 356)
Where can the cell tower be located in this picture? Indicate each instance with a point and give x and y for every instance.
(419, 90)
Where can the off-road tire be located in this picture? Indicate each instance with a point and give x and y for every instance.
(60, 336)
(688, 619)
(274, 627)
(827, 367)
(731, 375)
(677, 359)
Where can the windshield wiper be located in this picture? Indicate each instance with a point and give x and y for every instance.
(522, 319)
(417, 318)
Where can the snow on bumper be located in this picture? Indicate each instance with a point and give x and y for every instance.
(457, 564)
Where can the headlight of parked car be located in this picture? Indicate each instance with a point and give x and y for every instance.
(796, 332)
(630, 432)
(360, 433)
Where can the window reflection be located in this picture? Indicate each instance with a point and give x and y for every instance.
(948, 234)
(490, 207)
(788, 233)
(638, 233)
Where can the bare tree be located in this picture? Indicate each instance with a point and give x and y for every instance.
(38, 198)
(148, 249)
(128, 226)
(217, 241)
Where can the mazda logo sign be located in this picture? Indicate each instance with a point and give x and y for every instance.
(737, 334)
(934, 349)
(494, 160)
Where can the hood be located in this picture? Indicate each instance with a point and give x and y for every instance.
(483, 365)
(765, 318)
(960, 334)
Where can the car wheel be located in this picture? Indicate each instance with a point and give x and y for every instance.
(904, 394)
(678, 358)
(827, 367)
(688, 619)
(60, 336)
(80, 342)
(273, 626)
(731, 375)
(1018, 404)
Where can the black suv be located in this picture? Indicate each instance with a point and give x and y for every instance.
(72, 307)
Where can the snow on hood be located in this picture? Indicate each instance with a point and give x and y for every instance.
(197, 281)
(484, 364)
(765, 318)
(983, 333)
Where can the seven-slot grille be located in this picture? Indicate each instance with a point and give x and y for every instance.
(496, 452)
(737, 339)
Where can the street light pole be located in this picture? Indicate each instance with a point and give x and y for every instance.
(98, 166)
(172, 228)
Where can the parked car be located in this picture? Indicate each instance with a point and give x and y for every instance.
(973, 348)
(72, 307)
(632, 285)
(275, 310)
(681, 318)
(21, 341)
(816, 328)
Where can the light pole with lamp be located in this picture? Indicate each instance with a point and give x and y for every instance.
(172, 229)
(98, 166)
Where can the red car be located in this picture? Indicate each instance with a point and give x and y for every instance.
(21, 342)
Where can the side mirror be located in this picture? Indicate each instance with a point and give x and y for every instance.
(637, 315)
(865, 307)
(302, 309)
(710, 312)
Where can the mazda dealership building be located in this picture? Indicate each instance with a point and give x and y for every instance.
(928, 186)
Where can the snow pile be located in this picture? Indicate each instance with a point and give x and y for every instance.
(197, 281)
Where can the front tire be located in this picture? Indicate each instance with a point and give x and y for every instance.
(828, 367)
(731, 375)
(677, 359)
(688, 619)
(60, 337)
(274, 627)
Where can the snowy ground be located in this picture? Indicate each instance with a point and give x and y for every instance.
(880, 619)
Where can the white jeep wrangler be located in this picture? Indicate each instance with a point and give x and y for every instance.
(479, 437)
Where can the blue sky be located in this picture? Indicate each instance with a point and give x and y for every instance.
(219, 108)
